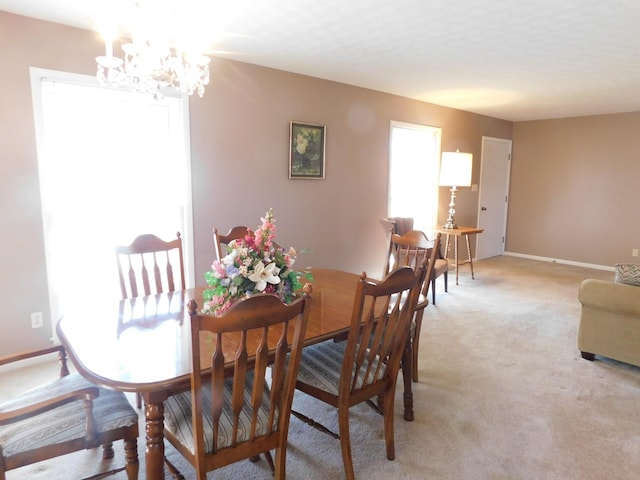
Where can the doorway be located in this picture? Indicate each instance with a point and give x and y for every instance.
(494, 196)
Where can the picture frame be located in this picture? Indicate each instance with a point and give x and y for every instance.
(307, 150)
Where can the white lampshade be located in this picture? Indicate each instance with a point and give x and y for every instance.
(455, 169)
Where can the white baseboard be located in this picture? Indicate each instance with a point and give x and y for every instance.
(564, 262)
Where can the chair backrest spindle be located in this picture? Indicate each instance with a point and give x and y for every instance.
(145, 255)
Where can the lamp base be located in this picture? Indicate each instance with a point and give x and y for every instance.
(451, 223)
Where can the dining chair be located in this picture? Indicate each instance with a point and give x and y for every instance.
(399, 225)
(411, 249)
(66, 415)
(240, 409)
(402, 225)
(345, 373)
(148, 252)
(148, 266)
(221, 241)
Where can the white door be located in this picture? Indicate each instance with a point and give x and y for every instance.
(494, 197)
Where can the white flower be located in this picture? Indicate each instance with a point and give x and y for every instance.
(263, 275)
(290, 258)
(230, 258)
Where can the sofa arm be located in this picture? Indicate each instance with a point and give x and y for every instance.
(610, 297)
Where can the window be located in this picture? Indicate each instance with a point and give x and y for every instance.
(413, 173)
(113, 164)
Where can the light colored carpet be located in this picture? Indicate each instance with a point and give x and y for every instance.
(503, 395)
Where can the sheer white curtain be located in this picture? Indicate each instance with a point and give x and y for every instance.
(413, 173)
(113, 164)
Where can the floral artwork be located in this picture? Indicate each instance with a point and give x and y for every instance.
(253, 264)
(306, 155)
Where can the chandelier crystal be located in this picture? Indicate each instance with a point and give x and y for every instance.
(154, 59)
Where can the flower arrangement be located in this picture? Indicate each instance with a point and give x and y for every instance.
(253, 264)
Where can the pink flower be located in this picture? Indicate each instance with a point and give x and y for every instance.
(259, 262)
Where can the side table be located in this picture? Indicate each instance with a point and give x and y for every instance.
(457, 233)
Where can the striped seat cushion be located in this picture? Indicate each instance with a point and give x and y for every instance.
(111, 410)
(177, 416)
(321, 364)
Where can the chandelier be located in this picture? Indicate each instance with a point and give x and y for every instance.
(157, 57)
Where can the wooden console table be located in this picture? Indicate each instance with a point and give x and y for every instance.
(457, 233)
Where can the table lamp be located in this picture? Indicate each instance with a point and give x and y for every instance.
(455, 171)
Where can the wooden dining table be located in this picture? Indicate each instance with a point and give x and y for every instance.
(143, 345)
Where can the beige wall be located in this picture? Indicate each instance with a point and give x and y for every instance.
(240, 133)
(239, 146)
(574, 189)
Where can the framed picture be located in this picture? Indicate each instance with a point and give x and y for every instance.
(306, 150)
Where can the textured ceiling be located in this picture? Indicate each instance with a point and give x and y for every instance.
(516, 60)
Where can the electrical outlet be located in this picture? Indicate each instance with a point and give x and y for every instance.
(634, 252)
(36, 320)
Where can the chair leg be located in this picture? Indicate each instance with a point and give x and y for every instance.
(345, 442)
(107, 451)
(388, 423)
(281, 463)
(588, 356)
(173, 470)
(446, 281)
(138, 400)
(433, 290)
(269, 458)
(407, 377)
(415, 343)
(132, 464)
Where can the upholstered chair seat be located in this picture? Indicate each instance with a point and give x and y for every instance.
(65, 424)
(321, 365)
(178, 416)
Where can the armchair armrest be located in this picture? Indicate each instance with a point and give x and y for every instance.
(24, 411)
(610, 296)
(62, 355)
